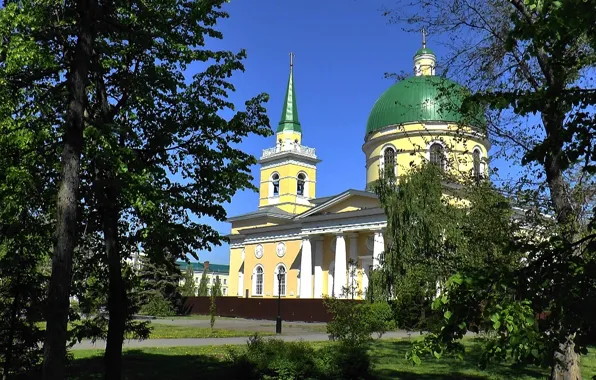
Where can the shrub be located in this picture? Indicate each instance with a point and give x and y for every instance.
(379, 317)
(354, 323)
(275, 359)
(414, 313)
(157, 306)
(346, 362)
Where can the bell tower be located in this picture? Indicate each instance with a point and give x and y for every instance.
(425, 60)
(288, 170)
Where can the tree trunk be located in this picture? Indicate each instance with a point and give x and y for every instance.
(68, 199)
(117, 302)
(567, 366)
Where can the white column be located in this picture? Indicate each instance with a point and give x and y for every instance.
(365, 274)
(240, 284)
(318, 260)
(378, 248)
(352, 268)
(339, 280)
(306, 270)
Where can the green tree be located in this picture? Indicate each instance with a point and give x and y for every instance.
(212, 308)
(108, 86)
(523, 58)
(160, 280)
(189, 288)
(216, 288)
(203, 290)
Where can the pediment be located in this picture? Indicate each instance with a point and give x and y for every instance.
(350, 200)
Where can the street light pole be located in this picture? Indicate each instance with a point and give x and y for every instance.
(278, 322)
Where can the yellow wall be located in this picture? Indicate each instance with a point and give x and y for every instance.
(288, 180)
(235, 262)
(269, 261)
(411, 143)
(427, 65)
(354, 203)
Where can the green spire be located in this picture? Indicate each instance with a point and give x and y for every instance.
(289, 115)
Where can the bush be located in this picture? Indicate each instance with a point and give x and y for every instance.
(346, 362)
(275, 359)
(353, 323)
(414, 313)
(157, 306)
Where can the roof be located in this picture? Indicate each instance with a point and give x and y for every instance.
(267, 211)
(289, 114)
(329, 201)
(424, 50)
(199, 267)
(424, 98)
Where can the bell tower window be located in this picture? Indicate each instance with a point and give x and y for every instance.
(300, 184)
(437, 156)
(274, 185)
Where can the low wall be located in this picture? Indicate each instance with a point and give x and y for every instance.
(303, 310)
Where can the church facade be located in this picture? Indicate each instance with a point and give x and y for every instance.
(299, 245)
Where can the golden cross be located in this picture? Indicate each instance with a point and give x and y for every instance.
(423, 38)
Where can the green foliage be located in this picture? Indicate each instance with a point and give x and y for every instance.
(189, 288)
(216, 288)
(343, 361)
(159, 286)
(212, 310)
(22, 291)
(353, 323)
(156, 150)
(276, 359)
(532, 68)
(157, 305)
(203, 285)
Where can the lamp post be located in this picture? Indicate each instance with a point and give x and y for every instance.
(278, 321)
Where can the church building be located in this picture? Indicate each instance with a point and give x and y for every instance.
(298, 244)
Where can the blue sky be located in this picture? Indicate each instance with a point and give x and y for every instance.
(343, 48)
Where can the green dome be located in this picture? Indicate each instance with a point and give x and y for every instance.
(421, 99)
(423, 51)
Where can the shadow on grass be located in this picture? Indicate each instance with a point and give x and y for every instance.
(390, 363)
(139, 365)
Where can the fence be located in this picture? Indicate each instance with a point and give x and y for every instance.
(304, 310)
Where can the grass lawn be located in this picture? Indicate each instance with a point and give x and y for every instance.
(163, 331)
(388, 356)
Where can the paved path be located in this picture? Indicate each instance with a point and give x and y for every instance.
(254, 325)
(85, 345)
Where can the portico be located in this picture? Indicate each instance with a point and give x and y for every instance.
(329, 250)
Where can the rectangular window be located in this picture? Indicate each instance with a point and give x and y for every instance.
(259, 290)
(225, 281)
(282, 287)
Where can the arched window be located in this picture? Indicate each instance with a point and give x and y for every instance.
(274, 185)
(279, 285)
(477, 168)
(257, 281)
(300, 184)
(389, 162)
(437, 155)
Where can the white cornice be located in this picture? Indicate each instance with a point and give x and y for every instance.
(287, 162)
(350, 222)
(428, 131)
